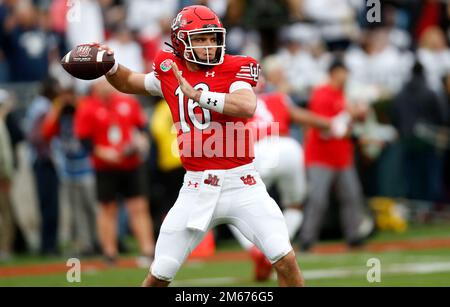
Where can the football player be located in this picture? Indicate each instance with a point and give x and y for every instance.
(210, 96)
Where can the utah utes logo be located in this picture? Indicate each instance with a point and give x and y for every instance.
(254, 71)
(83, 51)
(178, 22)
(249, 180)
(212, 180)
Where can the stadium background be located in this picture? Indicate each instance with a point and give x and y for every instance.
(300, 38)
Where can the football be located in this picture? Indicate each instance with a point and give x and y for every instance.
(86, 62)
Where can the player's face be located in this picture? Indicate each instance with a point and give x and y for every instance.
(207, 40)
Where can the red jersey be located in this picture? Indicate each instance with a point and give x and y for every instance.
(335, 153)
(272, 108)
(110, 124)
(208, 139)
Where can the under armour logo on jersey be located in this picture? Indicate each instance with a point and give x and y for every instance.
(195, 184)
(212, 180)
(211, 74)
(249, 180)
(213, 102)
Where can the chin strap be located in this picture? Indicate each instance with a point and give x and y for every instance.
(174, 50)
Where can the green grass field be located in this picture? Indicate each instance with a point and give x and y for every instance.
(420, 267)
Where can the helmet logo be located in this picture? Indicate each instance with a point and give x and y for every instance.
(166, 65)
(178, 22)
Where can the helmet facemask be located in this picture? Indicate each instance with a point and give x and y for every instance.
(189, 50)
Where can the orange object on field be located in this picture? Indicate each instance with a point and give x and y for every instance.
(206, 248)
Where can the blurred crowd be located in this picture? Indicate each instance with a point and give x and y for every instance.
(399, 68)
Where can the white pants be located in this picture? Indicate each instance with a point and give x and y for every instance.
(248, 207)
(280, 161)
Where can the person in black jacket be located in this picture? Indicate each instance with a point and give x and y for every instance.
(416, 110)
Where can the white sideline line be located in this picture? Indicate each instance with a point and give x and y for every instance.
(417, 268)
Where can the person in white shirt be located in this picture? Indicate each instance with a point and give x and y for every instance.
(434, 55)
(129, 52)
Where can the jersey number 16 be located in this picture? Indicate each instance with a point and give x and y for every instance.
(191, 105)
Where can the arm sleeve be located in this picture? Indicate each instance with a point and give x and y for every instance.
(153, 85)
(239, 85)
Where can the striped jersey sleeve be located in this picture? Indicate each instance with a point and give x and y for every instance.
(248, 70)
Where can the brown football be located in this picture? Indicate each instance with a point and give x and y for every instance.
(87, 62)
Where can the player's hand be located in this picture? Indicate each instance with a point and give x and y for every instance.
(101, 47)
(185, 87)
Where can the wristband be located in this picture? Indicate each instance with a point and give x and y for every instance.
(212, 100)
(113, 69)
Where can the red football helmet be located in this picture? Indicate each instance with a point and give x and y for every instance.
(197, 19)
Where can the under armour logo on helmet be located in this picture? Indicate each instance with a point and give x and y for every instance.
(214, 102)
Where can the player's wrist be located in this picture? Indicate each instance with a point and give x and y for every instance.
(212, 100)
(197, 95)
(113, 69)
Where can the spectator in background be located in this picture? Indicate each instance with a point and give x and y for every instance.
(84, 23)
(6, 11)
(6, 173)
(329, 163)
(112, 125)
(266, 17)
(129, 51)
(428, 14)
(434, 55)
(303, 68)
(395, 24)
(150, 19)
(336, 20)
(145, 15)
(377, 63)
(26, 44)
(78, 175)
(416, 108)
(44, 167)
